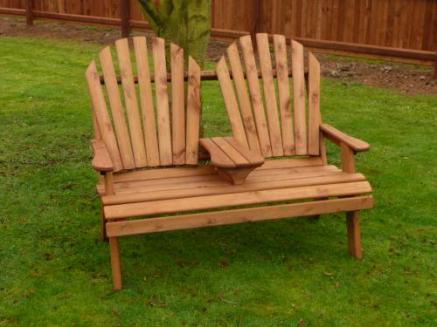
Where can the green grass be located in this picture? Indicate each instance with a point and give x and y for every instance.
(55, 271)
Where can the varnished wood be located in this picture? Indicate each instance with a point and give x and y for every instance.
(338, 137)
(255, 95)
(207, 219)
(231, 103)
(269, 94)
(354, 233)
(115, 262)
(163, 113)
(214, 185)
(178, 104)
(131, 103)
(109, 183)
(101, 160)
(102, 118)
(299, 98)
(235, 199)
(146, 101)
(347, 158)
(236, 176)
(118, 113)
(243, 97)
(233, 161)
(314, 106)
(193, 113)
(284, 94)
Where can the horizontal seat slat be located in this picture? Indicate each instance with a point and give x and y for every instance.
(210, 176)
(237, 216)
(193, 171)
(214, 179)
(191, 190)
(235, 199)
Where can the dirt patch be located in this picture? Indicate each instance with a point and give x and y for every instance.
(409, 79)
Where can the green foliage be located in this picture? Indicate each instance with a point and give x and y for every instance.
(54, 270)
(186, 23)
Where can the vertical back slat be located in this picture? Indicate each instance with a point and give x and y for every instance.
(117, 111)
(130, 99)
(102, 119)
(231, 102)
(269, 93)
(299, 98)
(314, 105)
(193, 112)
(178, 104)
(243, 97)
(164, 133)
(146, 101)
(254, 87)
(284, 93)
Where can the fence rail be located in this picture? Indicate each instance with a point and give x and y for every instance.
(398, 28)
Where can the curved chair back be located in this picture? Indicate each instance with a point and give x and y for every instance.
(151, 119)
(276, 117)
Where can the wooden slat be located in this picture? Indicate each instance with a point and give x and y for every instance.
(231, 102)
(251, 156)
(218, 157)
(284, 94)
(102, 116)
(230, 151)
(257, 102)
(178, 104)
(314, 119)
(235, 199)
(205, 170)
(164, 133)
(152, 179)
(299, 98)
(130, 99)
(117, 110)
(265, 61)
(227, 217)
(146, 100)
(193, 112)
(223, 188)
(212, 180)
(243, 97)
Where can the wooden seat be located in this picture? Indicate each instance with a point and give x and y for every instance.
(199, 189)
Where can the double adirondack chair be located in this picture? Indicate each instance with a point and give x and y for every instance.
(157, 174)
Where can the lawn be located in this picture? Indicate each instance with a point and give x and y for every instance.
(55, 271)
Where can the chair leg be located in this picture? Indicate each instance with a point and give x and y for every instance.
(103, 235)
(354, 234)
(115, 262)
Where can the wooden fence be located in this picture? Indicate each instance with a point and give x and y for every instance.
(399, 28)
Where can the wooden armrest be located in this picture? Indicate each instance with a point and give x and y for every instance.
(101, 161)
(232, 160)
(339, 137)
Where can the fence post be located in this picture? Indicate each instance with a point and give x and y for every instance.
(125, 17)
(29, 13)
(256, 22)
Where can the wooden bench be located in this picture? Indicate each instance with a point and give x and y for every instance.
(147, 146)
